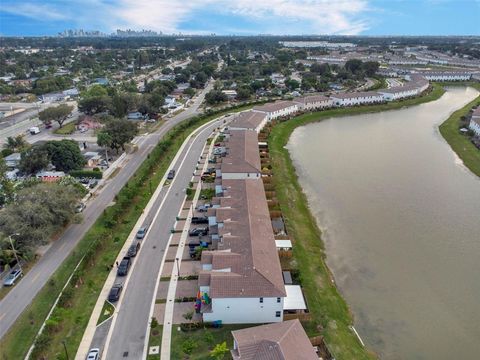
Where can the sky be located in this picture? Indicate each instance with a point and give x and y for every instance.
(244, 17)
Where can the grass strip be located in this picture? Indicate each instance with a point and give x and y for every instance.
(331, 316)
(459, 142)
(101, 243)
(67, 129)
(107, 312)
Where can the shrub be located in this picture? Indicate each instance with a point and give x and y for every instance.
(188, 346)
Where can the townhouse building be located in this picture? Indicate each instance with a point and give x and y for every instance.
(280, 341)
(314, 102)
(447, 76)
(241, 277)
(241, 160)
(413, 88)
(249, 120)
(474, 124)
(277, 109)
(356, 98)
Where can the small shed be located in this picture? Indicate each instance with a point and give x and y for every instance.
(294, 299)
(283, 244)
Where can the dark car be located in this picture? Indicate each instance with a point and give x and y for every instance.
(200, 220)
(171, 175)
(115, 292)
(198, 232)
(212, 160)
(133, 249)
(124, 266)
(141, 233)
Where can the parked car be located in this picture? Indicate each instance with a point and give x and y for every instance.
(211, 170)
(92, 183)
(171, 174)
(212, 160)
(198, 232)
(200, 220)
(141, 233)
(115, 292)
(93, 354)
(124, 266)
(133, 249)
(80, 207)
(204, 207)
(12, 277)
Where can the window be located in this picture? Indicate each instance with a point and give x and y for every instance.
(261, 300)
(278, 313)
(278, 300)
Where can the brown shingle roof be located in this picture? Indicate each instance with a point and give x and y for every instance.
(279, 341)
(242, 153)
(248, 120)
(248, 245)
(272, 107)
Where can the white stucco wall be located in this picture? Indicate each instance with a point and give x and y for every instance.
(245, 310)
(239, 176)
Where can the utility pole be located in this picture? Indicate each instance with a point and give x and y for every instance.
(14, 251)
(65, 347)
(178, 267)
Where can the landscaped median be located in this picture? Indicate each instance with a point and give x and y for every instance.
(100, 247)
(462, 146)
(330, 315)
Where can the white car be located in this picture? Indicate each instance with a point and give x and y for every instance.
(93, 354)
(12, 277)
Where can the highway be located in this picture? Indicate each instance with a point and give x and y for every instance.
(12, 305)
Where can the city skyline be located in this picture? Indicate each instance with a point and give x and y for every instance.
(245, 17)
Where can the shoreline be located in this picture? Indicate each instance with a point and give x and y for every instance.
(331, 315)
(460, 145)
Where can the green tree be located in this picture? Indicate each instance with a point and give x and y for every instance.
(6, 186)
(94, 105)
(37, 213)
(95, 91)
(214, 97)
(65, 155)
(219, 351)
(104, 140)
(370, 67)
(121, 132)
(16, 143)
(33, 160)
(354, 65)
(56, 113)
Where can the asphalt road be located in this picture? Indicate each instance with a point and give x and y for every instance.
(127, 339)
(12, 305)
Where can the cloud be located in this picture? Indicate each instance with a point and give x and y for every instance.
(41, 12)
(260, 16)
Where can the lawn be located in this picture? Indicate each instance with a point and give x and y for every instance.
(462, 146)
(331, 316)
(155, 339)
(107, 312)
(101, 244)
(67, 129)
(197, 344)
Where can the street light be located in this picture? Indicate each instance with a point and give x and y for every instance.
(14, 251)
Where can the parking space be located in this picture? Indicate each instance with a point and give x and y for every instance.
(186, 288)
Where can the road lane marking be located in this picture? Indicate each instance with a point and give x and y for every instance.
(201, 129)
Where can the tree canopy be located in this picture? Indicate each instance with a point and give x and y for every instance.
(55, 113)
(65, 155)
(34, 160)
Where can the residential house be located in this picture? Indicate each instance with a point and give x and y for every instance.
(93, 158)
(280, 341)
(416, 86)
(249, 120)
(50, 176)
(277, 109)
(52, 97)
(356, 98)
(231, 94)
(135, 116)
(13, 160)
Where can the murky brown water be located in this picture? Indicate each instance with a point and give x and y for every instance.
(401, 222)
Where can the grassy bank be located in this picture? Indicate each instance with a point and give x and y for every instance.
(462, 146)
(67, 129)
(100, 247)
(330, 314)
